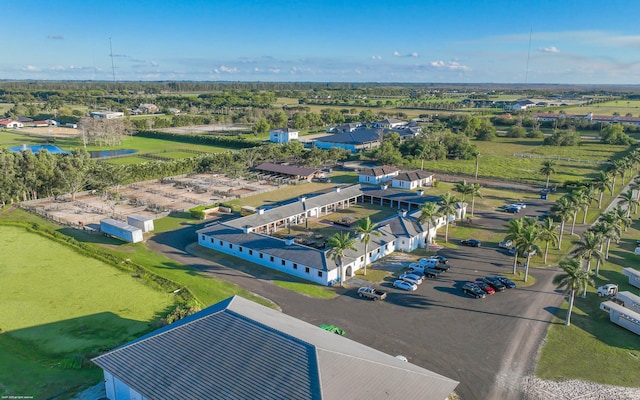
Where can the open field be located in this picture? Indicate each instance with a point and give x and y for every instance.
(58, 313)
(622, 107)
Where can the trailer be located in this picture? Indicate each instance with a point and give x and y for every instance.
(622, 316)
(634, 276)
(120, 230)
(144, 223)
(629, 300)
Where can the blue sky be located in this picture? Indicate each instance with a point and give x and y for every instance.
(579, 42)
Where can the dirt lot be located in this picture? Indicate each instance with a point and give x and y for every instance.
(51, 131)
(206, 128)
(154, 199)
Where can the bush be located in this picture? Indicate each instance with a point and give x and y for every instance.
(535, 134)
(516, 132)
(563, 138)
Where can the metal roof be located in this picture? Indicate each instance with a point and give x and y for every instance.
(357, 137)
(237, 349)
(285, 169)
(381, 170)
(411, 176)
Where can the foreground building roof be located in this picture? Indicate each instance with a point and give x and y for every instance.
(237, 349)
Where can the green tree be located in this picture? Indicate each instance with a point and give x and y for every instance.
(464, 188)
(587, 249)
(516, 132)
(278, 119)
(549, 235)
(547, 169)
(573, 279)
(475, 191)
(628, 199)
(365, 229)
(614, 134)
(529, 243)
(429, 214)
(601, 183)
(613, 230)
(515, 227)
(447, 207)
(339, 244)
(261, 127)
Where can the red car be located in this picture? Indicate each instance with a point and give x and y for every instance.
(485, 286)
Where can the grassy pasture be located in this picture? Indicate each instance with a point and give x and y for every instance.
(55, 311)
(622, 107)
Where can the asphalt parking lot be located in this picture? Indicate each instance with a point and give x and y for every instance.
(487, 344)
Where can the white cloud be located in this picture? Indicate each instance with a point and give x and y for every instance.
(228, 70)
(154, 63)
(449, 66)
(57, 68)
(396, 54)
(550, 49)
(30, 68)
(274, 70)
(414, 54)
(376, 57)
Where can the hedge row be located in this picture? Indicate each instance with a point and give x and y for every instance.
(222, 141)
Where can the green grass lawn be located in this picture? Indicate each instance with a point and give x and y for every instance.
(56, 312)
(593, 348)
(622, 107)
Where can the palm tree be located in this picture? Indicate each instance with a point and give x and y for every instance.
(622, 218)
(515, 227)
(613, 229)
(528, 242)
(447, 209)
(548, 234)
(463, 188)
(366, 228)
(339, 243)
(601, 230)
(475, 191)
(588, 248)
(629, 199)
(429, 215)
(586, 196)
(601, 183)
(615, 168)
(575, 204)
(563, 209)
(573, 280)
(548, 168)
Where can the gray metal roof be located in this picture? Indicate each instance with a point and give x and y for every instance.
(237, 349)
(411, 176)
(379, 170)
(285, 169)
(399, 195)
(271, 246)
(400, 226)
(296, 208)
(357, 137)
(119, 224)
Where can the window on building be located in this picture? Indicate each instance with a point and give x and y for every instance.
(283, 262)
(240, 249)
(202, 237)
(362, 258)
(212, 240)
(271, 258)
(319, 274)
(261, 255)
(230, 246)
(250, 252)
(221, 244)
(295, 266)
(306, 270)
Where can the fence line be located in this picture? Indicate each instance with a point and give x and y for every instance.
(525, 155)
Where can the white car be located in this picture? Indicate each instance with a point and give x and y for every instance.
(404, 285)
(520, 205)
(411, 278)
(505, 244)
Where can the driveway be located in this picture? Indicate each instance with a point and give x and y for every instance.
(486, 344)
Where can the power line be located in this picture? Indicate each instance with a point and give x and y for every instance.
(526, 73)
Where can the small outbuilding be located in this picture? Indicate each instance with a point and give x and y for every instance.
(121, 230)
(144, 223)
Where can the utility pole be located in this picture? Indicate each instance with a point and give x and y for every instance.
(113, 67)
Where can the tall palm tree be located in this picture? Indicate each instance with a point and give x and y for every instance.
(615, 168)
(463, 188)
(586, 196)
(515, 227)
(622, 218)
(528, 243)
(613, 230)
(629, 199)
(587, 249)
(475, 191)
(429, 214)
(548, 168)
(601, 183)
(548, 234)
(601, 230)
(366, 228)
(575, 204)
(339, 243)
(573, 280)
(447, 209)
(563, 209)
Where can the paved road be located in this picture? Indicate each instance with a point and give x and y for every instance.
(488, 344)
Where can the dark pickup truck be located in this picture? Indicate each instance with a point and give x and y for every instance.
(432, 272)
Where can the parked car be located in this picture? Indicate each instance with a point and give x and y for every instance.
(371, 293)
(411, 278)
(485, 286)
(494, 283)
(506, 281)
(473, 290)
(471, 242)
(505, 244)
(511, 209)
(520, 205)
(441, 259)
(404, 285)
(432, 273)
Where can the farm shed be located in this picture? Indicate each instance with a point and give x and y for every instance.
(121, 230)
(144, 223)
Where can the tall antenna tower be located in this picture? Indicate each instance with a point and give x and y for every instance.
(526, 73)
(113, 67)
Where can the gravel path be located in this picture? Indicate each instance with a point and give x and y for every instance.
(537, 389)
